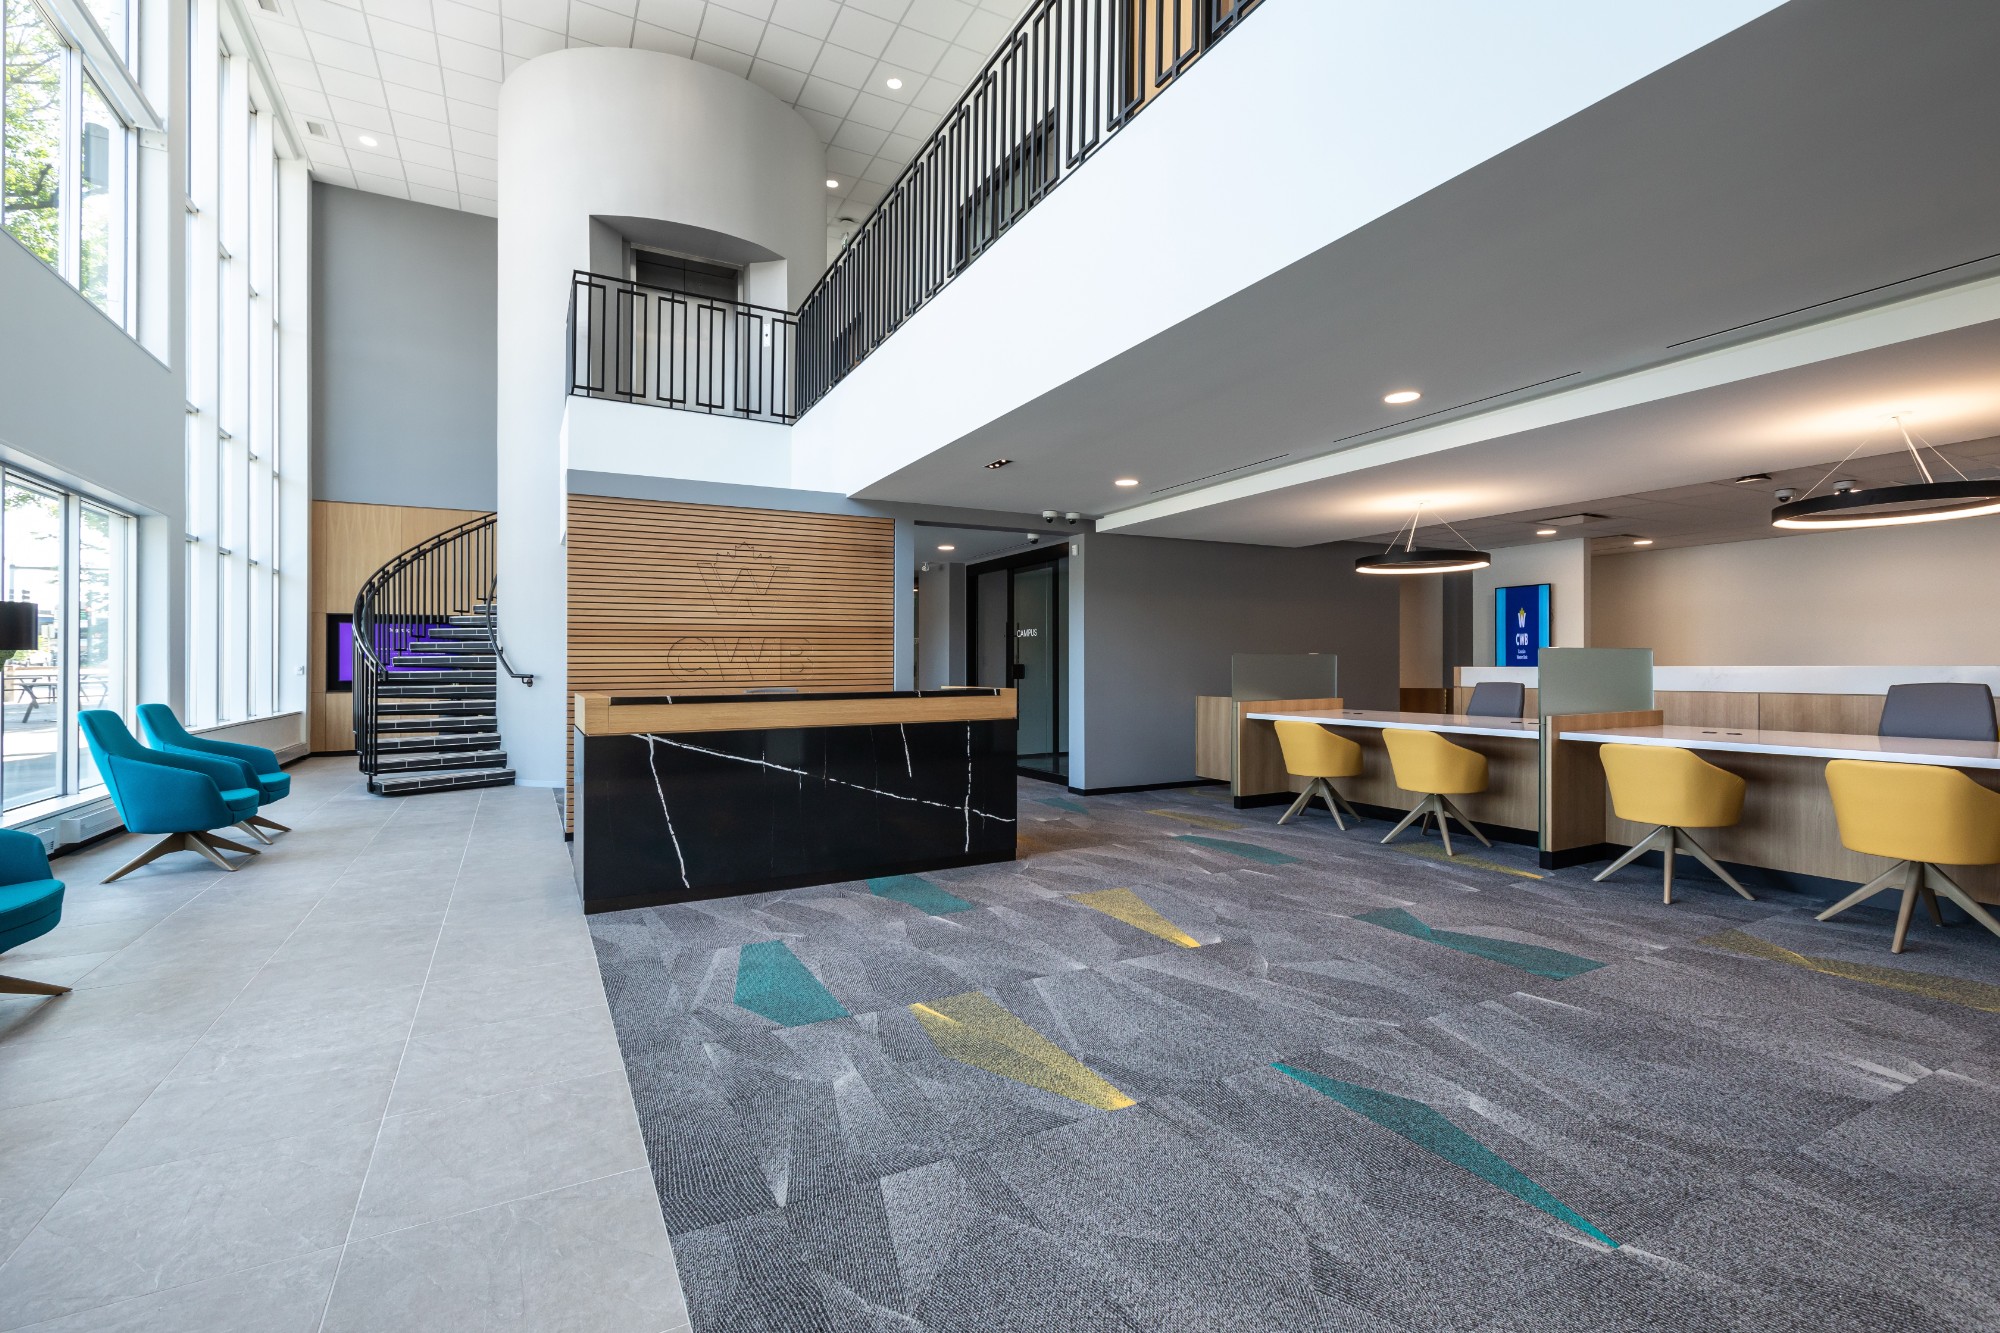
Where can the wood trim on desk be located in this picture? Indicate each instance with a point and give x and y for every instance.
(602, 714)
(1574, 793)
(1258, 766)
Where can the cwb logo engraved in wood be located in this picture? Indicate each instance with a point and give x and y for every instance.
(735, 575)
(747, 658)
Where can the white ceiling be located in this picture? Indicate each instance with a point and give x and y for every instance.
(422, 77)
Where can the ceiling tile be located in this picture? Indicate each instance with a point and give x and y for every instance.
(731, 30)
(780, 81)
(471, 88)
(354, 87)
(403, 40)
(647, 37)
(939, 18)
(360, 115)
(550, 14)
(410, 73)
(472, 167)
(525, 39)
(812, 17)
(472, 59)
(442, 198)
(425, 154)
(793, 50)
(331, 20)
(475, 117)
(861, 32)
(467, 24)
(708, 53)
(423, 129)
(438, 178)
(836, 64)
(605, 27)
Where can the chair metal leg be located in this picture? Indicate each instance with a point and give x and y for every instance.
(173, 842)
(1444, 828)
(254, 831)
(1949, 887)
(1422, 808)
(1929, 895)
(270, 824)
(1700, 853)
(1667, 880)
(1632, 853)
(23, 986)
(1351, 812)
(1911, 883)
(1297, 805)
(222, 844)
(1326, 793)
(1864, 893)
(1446, 804)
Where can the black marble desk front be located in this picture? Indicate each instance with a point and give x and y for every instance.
(665, 816)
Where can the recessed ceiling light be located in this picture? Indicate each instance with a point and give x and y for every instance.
(1642, 541)
(1545, 532)
(1126, 481)
(1401, 396)
(895, 83)
(1749, 477)
(832, 184)
(946, 546)
(367, 141)
(1000, 462)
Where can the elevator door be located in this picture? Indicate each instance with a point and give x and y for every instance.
(1038, 651)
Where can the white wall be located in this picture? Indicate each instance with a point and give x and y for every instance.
(1352, 109)
(610, 133)
(1564, 564)
(604, 435)
(1928, 594)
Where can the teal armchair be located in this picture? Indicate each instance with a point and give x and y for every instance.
(181, 795)
(30, 903)
(164, 732)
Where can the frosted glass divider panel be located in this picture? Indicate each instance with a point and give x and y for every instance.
(1284, 676)
(1586, 680)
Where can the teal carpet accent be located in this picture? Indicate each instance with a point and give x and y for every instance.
(1433, 1133)
(919, 893)
(1249, 851)
(770, 980)
(1063, 803)
(1528, 957)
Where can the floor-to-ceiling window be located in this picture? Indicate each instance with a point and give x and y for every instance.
(72, 117)
(72, 558)
(241, 490)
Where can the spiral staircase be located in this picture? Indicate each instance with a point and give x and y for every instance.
(427, 664)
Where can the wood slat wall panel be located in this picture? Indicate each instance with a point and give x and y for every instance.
(665, 595)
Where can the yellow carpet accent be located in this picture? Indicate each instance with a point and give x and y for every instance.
(1433, 853)
(1200, 821)
(975, 1030)
(1952, 990)
(1127, 906)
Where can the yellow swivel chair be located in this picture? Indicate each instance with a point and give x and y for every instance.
(1311, 751)
(1922, 816)
(1427, 763)
(1676, 790)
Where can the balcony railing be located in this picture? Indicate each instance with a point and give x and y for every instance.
(642, 344)
(1069, 77)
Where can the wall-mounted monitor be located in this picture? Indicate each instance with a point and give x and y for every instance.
(339, 654)
(1521, 624)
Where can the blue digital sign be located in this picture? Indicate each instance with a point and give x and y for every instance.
(1520, 624)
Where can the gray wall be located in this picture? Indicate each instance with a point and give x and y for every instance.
(404, 352)
(1154, 622)
(941, 626)
(83, 404)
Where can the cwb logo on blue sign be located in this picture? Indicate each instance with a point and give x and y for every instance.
(1520, 624)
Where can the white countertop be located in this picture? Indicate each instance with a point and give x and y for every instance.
(1768, 679)
(1455, 723)
(1807, 744)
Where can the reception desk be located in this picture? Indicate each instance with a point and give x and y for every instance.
(1788, 822)
(1511, 747)
(690, 796)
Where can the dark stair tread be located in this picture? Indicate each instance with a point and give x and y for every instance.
(410, 784)
(469, 724)
(450, 740)
(426, 760)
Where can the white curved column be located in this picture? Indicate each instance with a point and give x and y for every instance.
(613, 133)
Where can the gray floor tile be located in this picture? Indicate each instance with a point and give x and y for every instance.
(460, 994)
(592, 1258)
(44, 1147)
(162, 1005)
(185, 1221)
(285, 1297)
(442, 1069)
(480, 1153)
(209, 1113)
(46, 1071)
(287, 1009)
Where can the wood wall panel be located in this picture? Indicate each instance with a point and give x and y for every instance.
(349, 543)
(665, 595)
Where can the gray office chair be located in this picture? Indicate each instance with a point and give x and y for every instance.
(1939, 711)
(1497, 698)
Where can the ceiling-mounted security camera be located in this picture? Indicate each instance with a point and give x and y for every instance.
(1071, 517)
(1784, 495)
(924, 568)
(1048, 516)
(1845, 485)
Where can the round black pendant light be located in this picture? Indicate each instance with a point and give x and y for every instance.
(1928, 501)
(1410, 558)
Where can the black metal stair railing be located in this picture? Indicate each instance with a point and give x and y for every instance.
(451, 574)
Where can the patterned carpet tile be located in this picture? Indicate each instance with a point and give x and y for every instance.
(1165, 1075)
